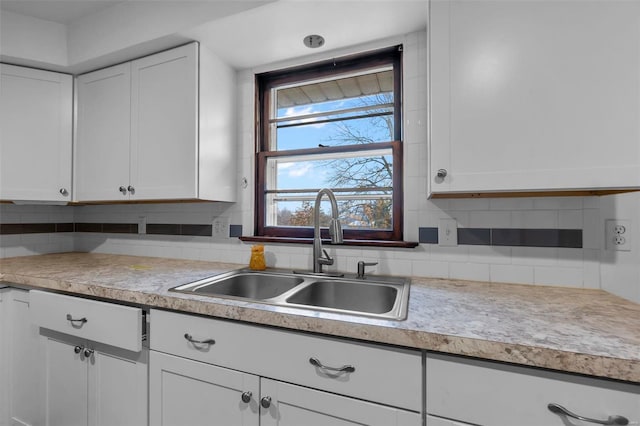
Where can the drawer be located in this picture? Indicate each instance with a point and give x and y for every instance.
(107, 323)
(488, 393)
(381, 374)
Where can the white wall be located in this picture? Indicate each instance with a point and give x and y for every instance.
(589, 267)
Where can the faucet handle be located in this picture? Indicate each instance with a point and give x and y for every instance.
(326, 260)
(361, 265)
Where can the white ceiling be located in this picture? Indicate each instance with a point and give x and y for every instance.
(60, 11)
(243, 33)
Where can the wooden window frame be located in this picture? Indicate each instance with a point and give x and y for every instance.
(265, 82)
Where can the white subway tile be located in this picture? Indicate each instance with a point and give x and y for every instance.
(430, 268)
(570, 219)
(469, 271)
(490, 254)
(517, 274)
(593, 229)
(557, 203)
(489, 219)
(534, 219)
(535, 256)
(558, 276)
(469, 204)
(511, 203)
(591, 268)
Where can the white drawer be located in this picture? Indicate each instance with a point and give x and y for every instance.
(107, 323)
(387, 375)
(488, 393)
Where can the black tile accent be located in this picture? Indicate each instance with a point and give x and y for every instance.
(571, 238)
(88, 227)
(235, 231)
(196, 230)
(64, 227)
(163, 228)
(474, 236)
(120, 228)
(10, 228)
(428, 235)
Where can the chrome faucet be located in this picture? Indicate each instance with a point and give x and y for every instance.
(320, 256)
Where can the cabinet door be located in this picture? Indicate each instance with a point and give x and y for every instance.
(534, 95)
(103, 134)
(164, 123)
(437, 421)
(25, 364)
(66, 384)
(35, 134)
(185, 392)
(291, 405)
(117, 392)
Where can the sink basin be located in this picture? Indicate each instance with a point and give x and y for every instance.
(379, 297)
(347, 295)
(246, 285)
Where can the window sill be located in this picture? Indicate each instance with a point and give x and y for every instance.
(367, 243)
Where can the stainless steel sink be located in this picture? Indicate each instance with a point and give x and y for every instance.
(243, 284)
(362, 296)
(379, 297)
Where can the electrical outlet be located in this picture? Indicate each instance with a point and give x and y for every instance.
(142, 224)
(448, 233)
(220, 228)
(617, 234)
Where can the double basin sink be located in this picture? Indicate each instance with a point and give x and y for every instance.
(378, 297)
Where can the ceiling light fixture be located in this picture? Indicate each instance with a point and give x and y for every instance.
(313, 41)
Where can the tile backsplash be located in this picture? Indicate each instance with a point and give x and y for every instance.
(503, 239)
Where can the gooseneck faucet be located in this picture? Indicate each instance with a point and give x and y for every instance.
(320, 256)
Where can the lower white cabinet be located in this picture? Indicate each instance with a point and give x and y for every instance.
(488, 393)
(215, 372)
(439, 421)
(22, 378)
(87, 381)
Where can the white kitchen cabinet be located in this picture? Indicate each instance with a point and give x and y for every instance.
(157, 128)
(438, 421)
(36, 109)
(229, 358)
(23, 372)
(186, 392)
(102, 152)
(534, 95)
(95, 368)
(493, 394)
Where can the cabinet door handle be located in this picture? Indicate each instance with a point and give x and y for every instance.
(441, 173)
(199, 342)
(612, 420)
(88, 352)
(64, 192)
(73, 321)
(246, 397)
(123, 189)
(131, 189)
(344, 369)
(265, 402)
(77, 349)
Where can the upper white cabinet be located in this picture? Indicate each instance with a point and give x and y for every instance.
(36, 110)
(534, 95)
(157, 128)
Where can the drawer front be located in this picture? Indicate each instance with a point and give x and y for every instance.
(486, 393)
(107, 323)
(386, 375)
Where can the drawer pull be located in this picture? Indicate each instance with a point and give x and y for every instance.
(74, 321)
(344, 369)
(77, 349)
(612, 420)
(199, 342)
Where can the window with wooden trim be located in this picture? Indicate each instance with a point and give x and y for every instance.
(334, 124)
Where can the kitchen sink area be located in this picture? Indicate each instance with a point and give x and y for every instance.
(372, 296)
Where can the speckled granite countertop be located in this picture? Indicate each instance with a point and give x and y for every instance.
(584, 331)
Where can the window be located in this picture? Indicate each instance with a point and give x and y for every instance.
(337, 125)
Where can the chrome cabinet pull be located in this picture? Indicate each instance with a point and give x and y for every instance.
(612, 420)
(344, 369)
(77, 349)
(246, 397)
(441, 173)
(123, 189)
(64, 192)
(87, 352)
(73, 321)
(199, 342)
(131, 189)
(265, 402)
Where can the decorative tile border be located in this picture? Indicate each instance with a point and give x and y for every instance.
(516, 237)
